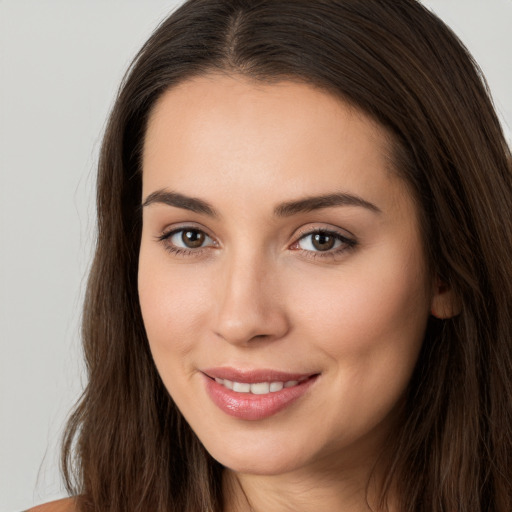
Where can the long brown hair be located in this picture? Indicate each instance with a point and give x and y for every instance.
(127, 447)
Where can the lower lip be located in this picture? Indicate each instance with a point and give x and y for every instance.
(248, 406)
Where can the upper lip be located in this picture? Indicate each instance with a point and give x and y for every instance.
(252, 376)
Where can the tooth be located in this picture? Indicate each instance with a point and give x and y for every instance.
(276, 386)
(260, 388)
(241, 387)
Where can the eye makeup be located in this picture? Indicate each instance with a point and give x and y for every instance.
(314, 243)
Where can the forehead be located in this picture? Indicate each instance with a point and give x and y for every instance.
(230, 134)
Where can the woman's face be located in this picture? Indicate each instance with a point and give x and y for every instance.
(282, 280)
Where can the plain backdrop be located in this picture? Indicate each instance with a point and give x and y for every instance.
(60, 65)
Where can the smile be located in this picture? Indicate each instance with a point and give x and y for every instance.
(257, 388)
(255, 395)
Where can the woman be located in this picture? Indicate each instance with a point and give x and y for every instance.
(301, 293)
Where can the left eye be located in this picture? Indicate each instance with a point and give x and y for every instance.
(189, 239)
(322, 241)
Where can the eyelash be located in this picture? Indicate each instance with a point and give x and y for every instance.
(347, 244)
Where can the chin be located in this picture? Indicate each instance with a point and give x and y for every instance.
(258, 457)
(259, 466)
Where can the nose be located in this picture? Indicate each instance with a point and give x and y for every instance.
(250, 305)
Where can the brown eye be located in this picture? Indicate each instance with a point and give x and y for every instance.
(186, 239)
(323, 241)
(193, 239)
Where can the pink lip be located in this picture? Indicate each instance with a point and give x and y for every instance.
(248, 406)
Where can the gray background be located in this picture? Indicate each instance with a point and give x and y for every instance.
(60, 65)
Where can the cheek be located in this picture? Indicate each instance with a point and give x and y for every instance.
(174, 305)
(377, 305)
(369, 323)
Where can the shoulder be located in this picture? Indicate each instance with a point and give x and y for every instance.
(64, 505)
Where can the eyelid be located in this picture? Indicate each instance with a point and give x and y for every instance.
(176, 228)
(325, 228)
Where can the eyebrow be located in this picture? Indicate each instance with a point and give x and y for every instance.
(287, 209)
(312, 203)
(180, 201)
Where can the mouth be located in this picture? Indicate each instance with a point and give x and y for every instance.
(255, 394)
(259, 388)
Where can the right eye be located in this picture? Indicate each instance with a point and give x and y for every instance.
(186, 240)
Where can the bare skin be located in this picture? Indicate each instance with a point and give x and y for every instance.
(63, 505)
(256, 292)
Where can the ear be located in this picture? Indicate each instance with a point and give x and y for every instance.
(445, 304)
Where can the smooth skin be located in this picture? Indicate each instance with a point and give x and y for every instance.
(237, 280)
(241, 284)
(63, 505)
